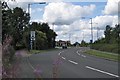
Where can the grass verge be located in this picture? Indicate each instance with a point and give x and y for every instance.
(104, 55)
(41, 51)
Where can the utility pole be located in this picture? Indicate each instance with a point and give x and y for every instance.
(69, 36)
(53, 26)
(83, 35)
(91, 32)
(97, 33)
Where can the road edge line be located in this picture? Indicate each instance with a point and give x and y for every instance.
(101, 71)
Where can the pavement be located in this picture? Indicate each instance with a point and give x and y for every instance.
(67, 63)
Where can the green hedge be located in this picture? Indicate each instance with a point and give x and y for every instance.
(106, 47)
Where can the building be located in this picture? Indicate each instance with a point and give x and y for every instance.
(60, 43)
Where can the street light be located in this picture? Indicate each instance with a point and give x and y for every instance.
(91, 31)
(30, 41)
(32, 4)
(91, 41)
(53, 26)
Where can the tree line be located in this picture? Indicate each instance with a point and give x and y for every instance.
(111, 41)
(15, 23)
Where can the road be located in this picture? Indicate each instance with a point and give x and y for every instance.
(71, 63)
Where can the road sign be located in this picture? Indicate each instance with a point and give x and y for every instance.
(32, 33)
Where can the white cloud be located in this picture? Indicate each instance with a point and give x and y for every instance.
(105, 20)
(111, 7)
(65, 13)
(80, 27)
(23, 5)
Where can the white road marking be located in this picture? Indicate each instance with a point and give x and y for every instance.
(59, 53)
(78, 53)
(63, 58)
(102, 71)
(72, 62)
(83, 55)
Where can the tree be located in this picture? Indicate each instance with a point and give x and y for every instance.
(42, 29)
(50, 34)
(108, 33)
(13, 22)
(41, 40)
(83, 44)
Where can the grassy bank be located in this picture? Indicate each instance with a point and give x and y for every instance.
(104, 55)
(113, 48)
(41, 51)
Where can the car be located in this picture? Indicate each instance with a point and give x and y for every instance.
(64, 46)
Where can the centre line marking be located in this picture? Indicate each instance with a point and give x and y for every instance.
(78, 53)
(83, 55)
(59, 53)
(72, 62)
(102, 71)
(63, 58)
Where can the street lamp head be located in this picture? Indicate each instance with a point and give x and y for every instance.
(37, 3)
(83, 17)
(42, 3)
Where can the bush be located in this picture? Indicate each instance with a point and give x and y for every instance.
(40, 42)
(106, 47)
(8, 53)
(26, 40)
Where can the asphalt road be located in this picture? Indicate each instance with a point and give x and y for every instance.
(69, 63)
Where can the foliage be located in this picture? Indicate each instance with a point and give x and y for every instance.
(13, 23)
(50, 34)
(106, 47)
(83, 44)
(76, 44)
(108, 33)
(111, 41)
(26, 39)
(41, 40)
(7, 58)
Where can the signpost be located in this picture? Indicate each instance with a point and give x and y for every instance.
(32, 38)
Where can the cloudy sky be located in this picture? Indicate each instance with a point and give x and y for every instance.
(70, 19)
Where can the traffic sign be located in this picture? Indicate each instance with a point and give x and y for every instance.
(32, 34)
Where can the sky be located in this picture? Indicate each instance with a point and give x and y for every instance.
(71, 19)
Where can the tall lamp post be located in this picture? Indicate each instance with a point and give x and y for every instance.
(91, 31)
(32, 4)
(91, 22)
(30, 40)
(91, 41)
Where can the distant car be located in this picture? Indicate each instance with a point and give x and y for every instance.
(64, 46)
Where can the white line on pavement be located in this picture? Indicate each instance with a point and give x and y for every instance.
(59, 53)
(83, 55)
(63, 58)
(72, 62)
(102, 71)
(78, 53)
